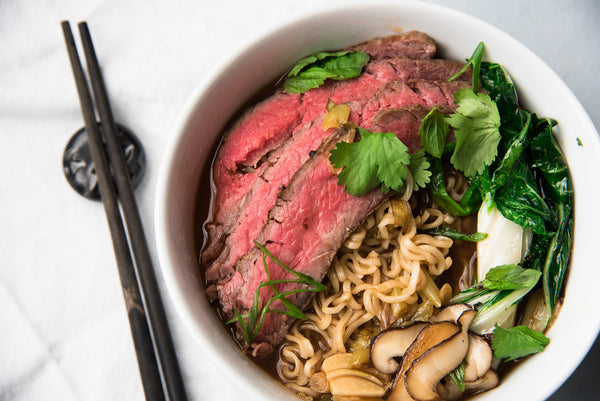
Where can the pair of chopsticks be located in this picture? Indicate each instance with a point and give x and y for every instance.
(157, 362)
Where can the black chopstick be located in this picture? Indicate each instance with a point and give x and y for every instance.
(151, 296)
(157, 362)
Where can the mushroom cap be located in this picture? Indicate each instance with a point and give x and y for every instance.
(451, 313)
(392, 343)
(487, 382)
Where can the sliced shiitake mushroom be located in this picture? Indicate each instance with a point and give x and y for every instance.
(450, 313)
(437, 350)
(484, 383)
(429, 337)
(451, 392)
(422, 377)
(392, 343)
(478, 359)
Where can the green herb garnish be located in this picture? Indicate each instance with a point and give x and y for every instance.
(475, 62)
(311, 72)
(517, 342)
(476, 126)
(457, 235)
(433, 131)
(419, 169)
(255, 316)
(458, 376)
(378, 159)
(510, 277)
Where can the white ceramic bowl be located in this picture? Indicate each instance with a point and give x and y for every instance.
(211, 105)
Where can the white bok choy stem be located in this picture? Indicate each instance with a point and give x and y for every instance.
(507, 243)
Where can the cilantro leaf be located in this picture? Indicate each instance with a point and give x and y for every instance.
(517, 342)
(378, 158)
(433, 131)
(476, 126)
(419, 169)
(311, 72)
(357, 177)
(510, 277)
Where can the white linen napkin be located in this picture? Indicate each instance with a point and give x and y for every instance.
(64, 333)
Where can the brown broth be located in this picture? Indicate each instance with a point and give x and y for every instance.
(464, 256)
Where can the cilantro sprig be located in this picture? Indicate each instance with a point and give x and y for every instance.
(251, 322)
(476, 126)
(377, 159)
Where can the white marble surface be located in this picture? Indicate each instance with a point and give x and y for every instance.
(63, 329)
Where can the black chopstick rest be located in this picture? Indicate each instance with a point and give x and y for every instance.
(79, 167)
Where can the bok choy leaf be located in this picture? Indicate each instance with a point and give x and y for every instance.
(527, 182)
(531, 186)
(494, 297)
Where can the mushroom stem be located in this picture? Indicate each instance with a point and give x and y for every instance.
(478, 359)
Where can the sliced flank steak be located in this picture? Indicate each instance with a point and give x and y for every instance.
(255, 134)
(274, 175)
(412, 44)
(311, 219)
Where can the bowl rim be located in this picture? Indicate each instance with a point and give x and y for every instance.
(208, 82)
